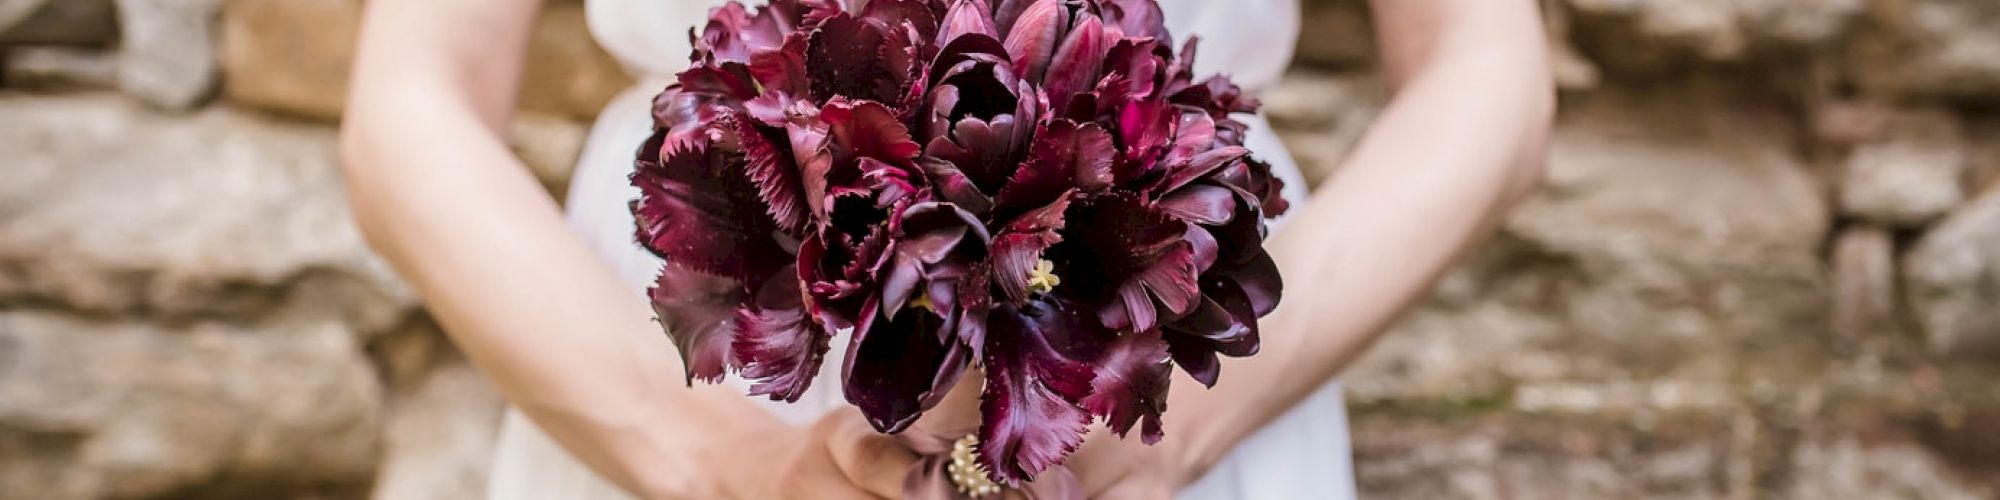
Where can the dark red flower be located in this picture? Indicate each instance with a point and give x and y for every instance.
(1039, 188)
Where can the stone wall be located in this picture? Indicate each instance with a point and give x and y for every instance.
(1766, 263)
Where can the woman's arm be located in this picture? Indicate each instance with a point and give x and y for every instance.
(1461, 141)
(436, 191)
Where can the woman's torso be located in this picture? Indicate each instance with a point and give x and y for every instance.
(1251, 40)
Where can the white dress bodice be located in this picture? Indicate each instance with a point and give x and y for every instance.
(1301, 455)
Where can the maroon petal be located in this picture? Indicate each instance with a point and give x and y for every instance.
(954, 186)
(696, 310)
(1121, 256)
(1074, 67)
(857, 59)
(771, 170)
(812, 152)
(696, 210)
(1033, 38)
(1021, 243)
(777, 344)
(1145, 129)
(966, 17)
(1135, 19)
(1131, 384)
(1201, 204)
(783, 69)
(1005, 12)
(1202, 165)
(892, 13)
(897, 369)
(868, 129)
(1031, 420)
(1065, 156)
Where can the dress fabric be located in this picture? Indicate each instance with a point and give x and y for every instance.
(1303, 454)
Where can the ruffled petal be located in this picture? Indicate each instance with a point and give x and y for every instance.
(1031, 419)
(1124, 258)
(694, 211)
(777, 343)
(696, 310)
(1131, 384)
(1064, 157)
(853, 58)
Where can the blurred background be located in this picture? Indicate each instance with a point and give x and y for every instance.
(1766, 263)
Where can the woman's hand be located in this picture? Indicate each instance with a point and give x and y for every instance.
(1115, 468)
(838, 457)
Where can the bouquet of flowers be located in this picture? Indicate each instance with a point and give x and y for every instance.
(1040, 189)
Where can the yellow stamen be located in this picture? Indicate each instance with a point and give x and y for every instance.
(923, 300)
(1043, 279)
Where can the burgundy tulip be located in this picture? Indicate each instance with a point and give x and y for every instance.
(1041, 189)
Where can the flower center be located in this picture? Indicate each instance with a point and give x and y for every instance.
(923, 300)
(1043, 279)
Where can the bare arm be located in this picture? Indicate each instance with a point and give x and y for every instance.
(1461, 141)
(436, 190)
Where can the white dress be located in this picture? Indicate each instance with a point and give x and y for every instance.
(1302, 455)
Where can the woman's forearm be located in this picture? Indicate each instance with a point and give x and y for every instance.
(1462, 139)
(437, 192)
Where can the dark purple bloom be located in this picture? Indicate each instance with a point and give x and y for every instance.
(1041, 189)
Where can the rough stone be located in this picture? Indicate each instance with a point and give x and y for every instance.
(112, 208)
(116, 409)
(1864, 283)
(59, 22)
(1952, 279)
(58, 68)
(1653, 36)
(1910, 177)
(1850, 468)
(1723, 455)
(1932, 48)
(293, 57)
(168, 53)
(1675, 236)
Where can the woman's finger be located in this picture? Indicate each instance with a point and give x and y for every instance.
(874, 462)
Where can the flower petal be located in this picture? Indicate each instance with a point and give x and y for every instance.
(1131, 384)
(695, 210)
(869, 130)
(1201, 204)
(1065, 156)
(770, 169)
(897, 369)
(1135, 19)
(695, 309)
(857, 59)
(777, 344)
(1074, 67)
(966, 17)
(1121, 255)
(1033, 38)
(1021, 243)
(1030, 417)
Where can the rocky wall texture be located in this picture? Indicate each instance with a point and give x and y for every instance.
(1766, 263)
